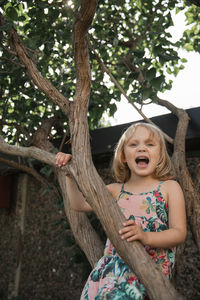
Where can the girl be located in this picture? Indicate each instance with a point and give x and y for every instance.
(152, 203)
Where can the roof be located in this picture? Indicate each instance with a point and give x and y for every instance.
(103, 140)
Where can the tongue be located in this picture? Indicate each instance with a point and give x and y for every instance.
(142, 163)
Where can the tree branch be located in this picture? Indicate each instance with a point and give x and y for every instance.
(84, 233)
(88, 179)
(105, 69)
(42, 83)
(33, 152)
(132, 44)
(82, 22)
(174, 109)
(12, 62)
(28, 170)
(182, 173)
(40, 138)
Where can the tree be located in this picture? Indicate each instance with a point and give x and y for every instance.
(135, 54)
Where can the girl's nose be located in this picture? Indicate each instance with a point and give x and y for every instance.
(142, 148)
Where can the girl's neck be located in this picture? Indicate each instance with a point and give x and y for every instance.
(139, 184)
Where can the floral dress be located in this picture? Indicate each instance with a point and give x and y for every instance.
(112, 278)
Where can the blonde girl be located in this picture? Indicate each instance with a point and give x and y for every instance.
(152, 203)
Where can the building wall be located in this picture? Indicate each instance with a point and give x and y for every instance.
(46, 272)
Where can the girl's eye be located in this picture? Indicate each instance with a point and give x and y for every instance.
(150, 144)
(133, 144)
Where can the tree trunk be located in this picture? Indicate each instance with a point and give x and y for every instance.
(190, 192)
(84, 233)
(104, 205)
(19, 235)
(182, 174)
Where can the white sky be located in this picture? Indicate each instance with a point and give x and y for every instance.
(185, 92)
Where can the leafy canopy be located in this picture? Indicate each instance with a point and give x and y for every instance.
(132, 38)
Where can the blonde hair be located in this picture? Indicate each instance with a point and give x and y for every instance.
(120, 168)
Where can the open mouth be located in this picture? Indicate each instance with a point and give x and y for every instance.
(142, 160)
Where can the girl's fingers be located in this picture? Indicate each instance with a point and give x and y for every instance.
(129, 222)
(133, 238)
(127, 225)
(62, 159)
(131, 231)
(127, 229)
(127, 235)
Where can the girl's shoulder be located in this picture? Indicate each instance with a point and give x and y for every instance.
(114, 189)
(170, 187)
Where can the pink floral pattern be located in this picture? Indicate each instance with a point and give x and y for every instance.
(112, 278)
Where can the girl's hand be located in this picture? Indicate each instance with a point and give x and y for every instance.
(133, 232)
(62, 158)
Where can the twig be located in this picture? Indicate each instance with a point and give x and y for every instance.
(12, 61)
(63, 140)
(105, 69)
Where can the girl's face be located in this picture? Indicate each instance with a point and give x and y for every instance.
(142, 152)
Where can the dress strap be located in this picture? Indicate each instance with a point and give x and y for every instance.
(158, 188)
(122, 188)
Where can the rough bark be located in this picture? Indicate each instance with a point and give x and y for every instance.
(105, 207)
(182, 174)
(84, 233)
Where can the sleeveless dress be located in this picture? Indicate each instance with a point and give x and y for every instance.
(112, 278)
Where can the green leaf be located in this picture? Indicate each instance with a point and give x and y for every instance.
(42, 5)
(157, 82)
(184, 60)
(133, 75)
(146, 93)
(112, 109)
(11, 13)
(138, 3)
(138, 53)
(115, 42)
(151, 74)
(166, 57)
(140, 60)
(157, 50)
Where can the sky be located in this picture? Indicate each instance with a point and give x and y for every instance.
(185, 92)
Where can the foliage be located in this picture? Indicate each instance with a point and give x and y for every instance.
(131, 37)
(191, 37)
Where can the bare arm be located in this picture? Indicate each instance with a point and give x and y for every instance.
(76, 198)
(171, 237)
